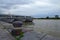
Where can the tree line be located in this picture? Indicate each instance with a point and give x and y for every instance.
(56, 17)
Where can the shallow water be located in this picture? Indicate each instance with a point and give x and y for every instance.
(51, 27)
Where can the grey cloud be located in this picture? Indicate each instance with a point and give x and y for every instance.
(55, 2)
(5, 6)
(15, 1)
(38, 10)
(9, 3)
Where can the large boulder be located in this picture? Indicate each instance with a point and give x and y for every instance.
(16, 32)
(29, 19)
(17, 24)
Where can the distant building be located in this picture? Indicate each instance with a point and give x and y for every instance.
(57, 16)
(47, 17)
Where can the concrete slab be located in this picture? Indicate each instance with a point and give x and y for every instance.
(36, 36)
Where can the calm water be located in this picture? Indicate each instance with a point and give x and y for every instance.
(51, 27)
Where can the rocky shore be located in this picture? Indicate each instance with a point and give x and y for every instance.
(28, 35)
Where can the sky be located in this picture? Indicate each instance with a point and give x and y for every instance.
(35, 8)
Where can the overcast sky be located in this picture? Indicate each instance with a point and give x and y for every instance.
(36, 8)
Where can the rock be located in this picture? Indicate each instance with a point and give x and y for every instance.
(4, 34)
(17, 23)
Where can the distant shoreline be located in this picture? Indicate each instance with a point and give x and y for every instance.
(48, 18)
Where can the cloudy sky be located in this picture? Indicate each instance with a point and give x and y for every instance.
(36, 8)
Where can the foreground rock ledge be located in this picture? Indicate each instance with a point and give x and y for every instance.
(4, 34)
(38, 36)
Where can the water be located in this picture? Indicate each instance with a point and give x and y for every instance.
(51, 27)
